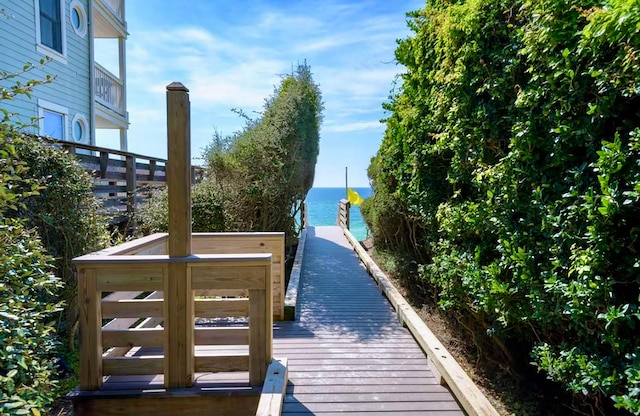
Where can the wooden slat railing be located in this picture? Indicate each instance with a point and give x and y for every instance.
(344, 219)
(134, 341)
(121, 179)
(109, 89)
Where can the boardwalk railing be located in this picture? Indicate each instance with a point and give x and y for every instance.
(140, 331)
(121, 179)
(344, 218)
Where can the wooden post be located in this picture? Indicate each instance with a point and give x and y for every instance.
(179, 169)
(305, 215)
(347, 210)
(90, 330)
(131, 179)
(178, 294)
(104, 164)
(260, 330)
(152, 169)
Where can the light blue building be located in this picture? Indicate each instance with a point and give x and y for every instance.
(84, 95)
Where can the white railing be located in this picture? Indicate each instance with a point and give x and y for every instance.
(109, 90)
(116, 7)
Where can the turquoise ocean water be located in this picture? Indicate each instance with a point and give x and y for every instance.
(322, 205)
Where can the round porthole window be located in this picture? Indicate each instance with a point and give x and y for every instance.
(80, 129)
(78, 18)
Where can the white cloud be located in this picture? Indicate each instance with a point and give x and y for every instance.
(230, 61)
(352, 127)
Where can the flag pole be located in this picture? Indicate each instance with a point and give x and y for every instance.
(346, 183)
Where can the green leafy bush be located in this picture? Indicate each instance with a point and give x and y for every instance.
(29, 293)
(513, 143)
(28, 307)
(69, 219)
(263, 173)
(152, 216)
(44, 194)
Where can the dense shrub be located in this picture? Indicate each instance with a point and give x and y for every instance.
(44, 195)
(28, 308)
(29, 292)
(514, 142)
(263, 173)
(66, 214)
(152, 216)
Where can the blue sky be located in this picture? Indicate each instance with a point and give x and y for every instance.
(231, 54)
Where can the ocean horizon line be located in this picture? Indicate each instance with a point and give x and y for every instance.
(339, 187)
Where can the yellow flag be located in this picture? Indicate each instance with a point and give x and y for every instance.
(353, 197)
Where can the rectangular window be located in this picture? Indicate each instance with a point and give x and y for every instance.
(53, 120)
(51, 24)
(53, 124)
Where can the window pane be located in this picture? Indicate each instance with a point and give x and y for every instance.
(75, 18)
(50, 24)
(50, 8)
(53, 124)
(46, 32)
(78, 131)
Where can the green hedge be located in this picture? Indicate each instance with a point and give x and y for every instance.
(67, 216)
(29, 293)
(513, 147)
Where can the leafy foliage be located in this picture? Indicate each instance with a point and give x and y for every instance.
(206, 211)
(46, 208)
(512, 152)
(28, 289)
(256, 179)
(69, 220)
(264, 172)
(28, 306)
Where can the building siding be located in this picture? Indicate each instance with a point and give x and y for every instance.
(71, 87)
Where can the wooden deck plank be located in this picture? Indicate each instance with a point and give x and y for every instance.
(383, 413)
(355, 381)
(347, 351)
(371, 388)
(370, 406)
(369, 397)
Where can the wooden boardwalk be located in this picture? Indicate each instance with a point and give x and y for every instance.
(347, 351)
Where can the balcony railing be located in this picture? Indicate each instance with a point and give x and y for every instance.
(116, 7)
(109, 90)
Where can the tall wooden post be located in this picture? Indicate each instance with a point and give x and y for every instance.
(179, 169)
(178, 295)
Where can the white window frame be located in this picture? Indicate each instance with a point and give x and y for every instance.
(82, 120)
(44, 49)
(82, 13)
(55, 108)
